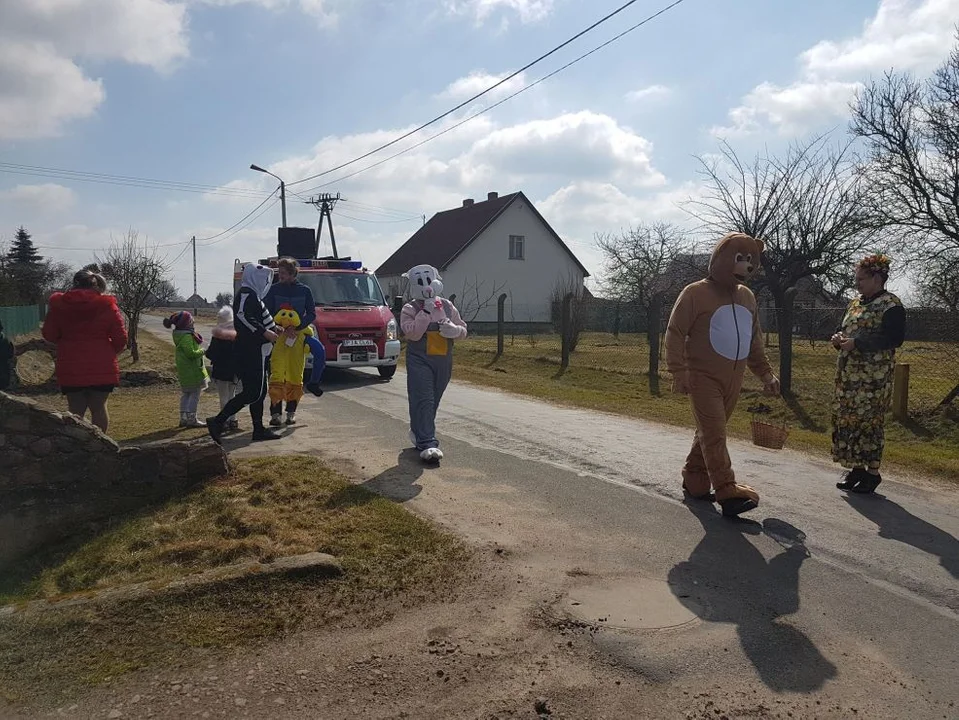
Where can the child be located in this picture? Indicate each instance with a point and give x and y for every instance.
(7, 363)
(430, 323)
(220, 354)
(189, 366)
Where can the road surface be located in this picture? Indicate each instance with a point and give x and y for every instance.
(818, 593)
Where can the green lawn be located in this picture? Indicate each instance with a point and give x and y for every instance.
(611, 375)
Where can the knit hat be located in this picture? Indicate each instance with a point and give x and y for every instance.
(224, 324)
(182, 320)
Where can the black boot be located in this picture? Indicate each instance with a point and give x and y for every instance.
(868, 484)
(215, 427)
(852, 479)
(263, 433)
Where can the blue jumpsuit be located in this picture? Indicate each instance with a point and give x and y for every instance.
(429, 365)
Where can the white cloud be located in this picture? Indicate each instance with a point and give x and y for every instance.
(48, 197)
(528, 10)
(42, 84)
(478, 81)
(649, 94)
(903, 34)
(583, 144)
(323, 10)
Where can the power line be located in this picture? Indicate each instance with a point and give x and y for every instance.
(472, 99)
(127, 181)
(497, 104)
(267, 198)
(404, 220)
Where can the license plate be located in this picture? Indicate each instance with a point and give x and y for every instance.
(360, 356)
(356, 343)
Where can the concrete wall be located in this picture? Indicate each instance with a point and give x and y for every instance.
(60, 476)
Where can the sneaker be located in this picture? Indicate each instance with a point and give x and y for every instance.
(431, 455)
(233, 426)
(215, 428)
(315, 389)
(192, 421)
(262, 433)
(276, 420)
(291, 418)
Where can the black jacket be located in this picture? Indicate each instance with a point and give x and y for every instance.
(220, 354)
(251, 319)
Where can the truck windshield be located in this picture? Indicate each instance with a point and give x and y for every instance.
(336, 288)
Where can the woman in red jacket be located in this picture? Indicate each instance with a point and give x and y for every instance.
(89, 333)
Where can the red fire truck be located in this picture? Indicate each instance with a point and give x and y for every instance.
(353, 318)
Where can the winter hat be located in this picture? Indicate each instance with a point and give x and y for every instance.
(224, 327)
(182, 320)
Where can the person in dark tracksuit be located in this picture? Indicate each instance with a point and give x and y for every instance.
(255, 335)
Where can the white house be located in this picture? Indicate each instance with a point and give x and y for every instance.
(484, 249)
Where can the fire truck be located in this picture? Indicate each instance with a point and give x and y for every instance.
(353, 318)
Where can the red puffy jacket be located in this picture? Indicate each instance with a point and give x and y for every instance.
(89, 333)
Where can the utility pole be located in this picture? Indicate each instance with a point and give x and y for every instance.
(324, 203)
(283, 200)
(194, 276)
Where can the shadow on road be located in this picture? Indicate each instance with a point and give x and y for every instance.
(399, 483)
(897, 523)
(339, 379)
(729, 577)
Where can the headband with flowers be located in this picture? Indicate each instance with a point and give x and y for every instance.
(878, 263)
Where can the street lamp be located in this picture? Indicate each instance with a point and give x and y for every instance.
(282, 189)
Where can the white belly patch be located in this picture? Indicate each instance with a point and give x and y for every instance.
(731, 331)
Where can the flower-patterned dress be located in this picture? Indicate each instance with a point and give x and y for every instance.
(864, 379)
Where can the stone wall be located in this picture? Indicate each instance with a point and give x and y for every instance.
(60, 476)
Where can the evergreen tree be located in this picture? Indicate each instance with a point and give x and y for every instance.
(23, 251)
(26, 268)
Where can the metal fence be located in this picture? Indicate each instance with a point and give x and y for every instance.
(20, 320)
(615, 338)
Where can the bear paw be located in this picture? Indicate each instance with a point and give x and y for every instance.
(736, 499)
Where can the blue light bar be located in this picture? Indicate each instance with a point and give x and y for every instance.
(331, 264)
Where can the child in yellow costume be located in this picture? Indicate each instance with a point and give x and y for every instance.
(288, 364)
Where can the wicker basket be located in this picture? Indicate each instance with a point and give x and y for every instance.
(768, 435)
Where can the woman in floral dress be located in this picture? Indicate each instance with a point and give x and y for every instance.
(873, 327)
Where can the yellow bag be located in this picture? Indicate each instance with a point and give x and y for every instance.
(436, 344)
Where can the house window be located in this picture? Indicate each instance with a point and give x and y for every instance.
(517, 247)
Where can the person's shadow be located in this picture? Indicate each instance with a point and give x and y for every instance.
(897, 523)
(727, 579)
(399, 483)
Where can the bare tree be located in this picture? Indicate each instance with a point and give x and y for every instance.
(476, 297)
(165, 293)
(910, 129)
(808, 208)
(134, 272)
(571, 285)
(638, 262)
(938, 283)
(225, 299)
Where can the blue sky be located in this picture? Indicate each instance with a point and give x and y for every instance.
(195, 91)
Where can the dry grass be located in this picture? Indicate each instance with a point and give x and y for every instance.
(268, 508)
(611, 375)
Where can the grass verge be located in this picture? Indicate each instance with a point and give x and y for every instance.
(611, 375)
(270, 507)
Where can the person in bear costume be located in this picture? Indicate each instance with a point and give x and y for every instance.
(712, 336)
(430, 324)
(288, 364)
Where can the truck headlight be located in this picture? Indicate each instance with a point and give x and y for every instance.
(391, 330)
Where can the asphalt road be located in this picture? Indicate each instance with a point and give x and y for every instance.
(857, 597)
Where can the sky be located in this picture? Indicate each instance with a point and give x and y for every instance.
(193, 91)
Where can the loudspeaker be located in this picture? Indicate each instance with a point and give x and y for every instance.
(295, 242)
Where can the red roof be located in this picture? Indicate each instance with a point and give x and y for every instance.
(449, 233)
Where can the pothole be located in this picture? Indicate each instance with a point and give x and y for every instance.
(633, 603)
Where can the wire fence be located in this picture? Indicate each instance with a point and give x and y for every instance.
(615, 338)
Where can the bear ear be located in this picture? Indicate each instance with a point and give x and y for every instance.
(760, 244)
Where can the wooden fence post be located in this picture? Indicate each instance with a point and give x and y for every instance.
(653, 332)
(900, 392)
(565, 329)
(500, 323)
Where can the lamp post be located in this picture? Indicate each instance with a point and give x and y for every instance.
(282, 189)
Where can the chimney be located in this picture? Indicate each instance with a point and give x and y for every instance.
(468, 202)
(492, 196)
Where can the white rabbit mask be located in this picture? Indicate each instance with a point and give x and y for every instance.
(425, 282)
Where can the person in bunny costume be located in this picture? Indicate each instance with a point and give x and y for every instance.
(430, 324)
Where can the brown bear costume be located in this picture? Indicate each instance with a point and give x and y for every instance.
(712, 336)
